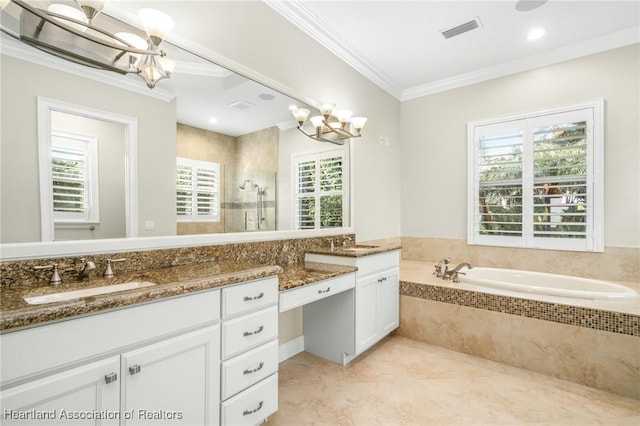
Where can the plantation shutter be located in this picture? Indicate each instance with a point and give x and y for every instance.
(537, 182)
(305, 208)
(74, 179)
(560, 181)
(500, 183)
(319, 184)
(197, 190)
(69, 172)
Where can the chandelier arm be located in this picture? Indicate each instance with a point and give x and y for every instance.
(341, 132)
(47, 17)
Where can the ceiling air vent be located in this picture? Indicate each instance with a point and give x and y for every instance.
(462, 28)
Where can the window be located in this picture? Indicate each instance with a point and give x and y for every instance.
(74, 172)
(536, 180)
(197, 190)
(320, 184)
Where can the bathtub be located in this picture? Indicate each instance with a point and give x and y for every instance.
(543, 283)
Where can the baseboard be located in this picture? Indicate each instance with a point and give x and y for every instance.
(291, 348)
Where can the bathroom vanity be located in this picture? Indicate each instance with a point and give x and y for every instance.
(207, 357)
(198, 345)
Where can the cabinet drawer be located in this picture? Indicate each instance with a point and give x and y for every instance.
(310, 293)
(50, 346)
(253, 405)
(246, 369)
(249, 297)
(249, 331)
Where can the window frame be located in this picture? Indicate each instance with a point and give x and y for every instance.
(317, 194)
(194, 217)
(593, 113)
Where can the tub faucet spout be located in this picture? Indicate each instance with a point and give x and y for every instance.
(453, 273)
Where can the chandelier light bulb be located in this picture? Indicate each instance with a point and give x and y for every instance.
(91, 8)
(300, 114)
(326, 109)
(358, 123)
(156, 24)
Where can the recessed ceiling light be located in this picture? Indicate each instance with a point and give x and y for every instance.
(213, 120)
(535, 33)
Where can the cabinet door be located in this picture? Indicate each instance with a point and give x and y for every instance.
(366, 296)
(173, 382)
(74, 397)
(388, 302)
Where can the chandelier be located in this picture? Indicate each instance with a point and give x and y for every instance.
(71, 33)
(331, 125)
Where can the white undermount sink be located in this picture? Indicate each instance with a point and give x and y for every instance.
(86, 292)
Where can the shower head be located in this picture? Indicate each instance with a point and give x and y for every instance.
(244, 184)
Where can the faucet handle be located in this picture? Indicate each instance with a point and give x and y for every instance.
(55, 276)
(108, 272)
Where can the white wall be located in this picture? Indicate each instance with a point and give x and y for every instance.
(434, 155)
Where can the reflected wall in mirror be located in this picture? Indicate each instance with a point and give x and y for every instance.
(202, 112)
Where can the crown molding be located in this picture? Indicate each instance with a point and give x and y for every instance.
(577, 50)
(9, 46)
(295, 12)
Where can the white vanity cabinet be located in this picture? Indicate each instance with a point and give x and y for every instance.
(55, 399)
(156, 363)
(376, 295)
(169, 382)
(249, 368)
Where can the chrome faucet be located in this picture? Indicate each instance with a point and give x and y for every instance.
(453, 273)
(86, 266)
(441, 267)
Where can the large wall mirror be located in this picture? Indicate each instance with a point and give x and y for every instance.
(213, 153)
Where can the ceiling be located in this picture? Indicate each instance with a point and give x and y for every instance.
(396, 44)
(399, 46)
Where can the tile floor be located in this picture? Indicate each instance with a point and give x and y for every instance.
(404, 382)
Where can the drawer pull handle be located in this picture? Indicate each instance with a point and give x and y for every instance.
(109, 378)
(324, 291)
(134, 369)
(382, 279)
(249, 299)
(255, 410)
(251, 333)
(255, 370)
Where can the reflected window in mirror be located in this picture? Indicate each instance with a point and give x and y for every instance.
(321, 189)
(74, 171)
(197, 190)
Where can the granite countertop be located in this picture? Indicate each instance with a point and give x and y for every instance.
(174, 281)
(355, 250)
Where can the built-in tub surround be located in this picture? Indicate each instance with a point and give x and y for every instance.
(595, 343)
(614, 264)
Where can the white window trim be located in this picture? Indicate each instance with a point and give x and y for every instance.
(595, 180)
(90, 148)
(317, 156)
(194, 217)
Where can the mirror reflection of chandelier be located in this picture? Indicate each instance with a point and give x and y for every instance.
(70, 31)
(331, 125)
